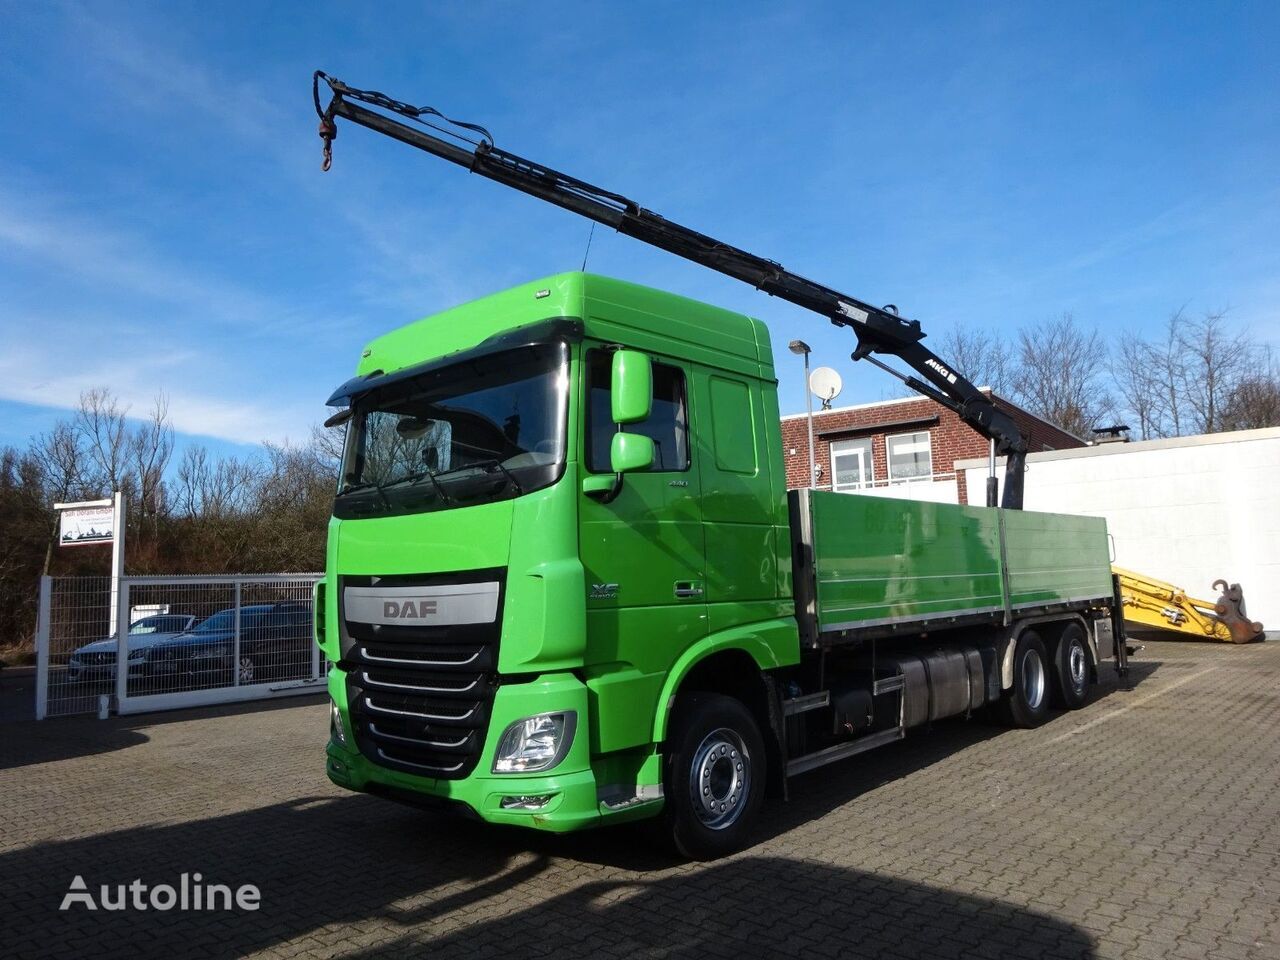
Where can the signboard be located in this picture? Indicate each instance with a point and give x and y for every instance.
(100, 521)
(87, 525)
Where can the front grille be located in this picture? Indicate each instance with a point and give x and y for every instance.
(420, 695)
(98, 659)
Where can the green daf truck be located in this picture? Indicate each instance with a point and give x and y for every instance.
(567, 585)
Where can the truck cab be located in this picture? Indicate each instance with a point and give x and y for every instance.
(556, 504)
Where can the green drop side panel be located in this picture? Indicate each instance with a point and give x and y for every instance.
(1056, 558)
(879, 560)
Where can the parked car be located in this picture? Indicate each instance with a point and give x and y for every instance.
(275, 644)
(97, 660)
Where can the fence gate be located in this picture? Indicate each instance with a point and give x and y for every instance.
(183, 642)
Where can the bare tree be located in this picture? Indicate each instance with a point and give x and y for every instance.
(1254, 401)
(1061, 374)
(62, 463)
(103, 424)
(1215, 359)
(1137, 369)
(328, 443)
(191, 479)
(62, 459)
(980, 357)
(213, 489)
(150, 449)
(1168, 370)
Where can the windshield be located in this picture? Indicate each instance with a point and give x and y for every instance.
(483, 429)
(161, 624)
(225, 620)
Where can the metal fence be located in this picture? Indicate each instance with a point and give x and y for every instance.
(183, 641)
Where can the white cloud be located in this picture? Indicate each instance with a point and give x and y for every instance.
(44, 378)
(120, 262)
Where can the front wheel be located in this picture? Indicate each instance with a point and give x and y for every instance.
(715, 775)
(1027, 704)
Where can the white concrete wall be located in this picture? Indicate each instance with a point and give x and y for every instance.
(1189, 510)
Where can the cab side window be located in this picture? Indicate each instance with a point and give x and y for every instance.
(667, 426)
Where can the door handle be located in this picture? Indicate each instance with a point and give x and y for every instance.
(686, 589)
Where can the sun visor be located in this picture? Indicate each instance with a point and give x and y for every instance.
(545, 331)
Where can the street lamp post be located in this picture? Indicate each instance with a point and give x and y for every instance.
(800, 347)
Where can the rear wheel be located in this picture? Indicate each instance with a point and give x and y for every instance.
(1027, 704)
(1071, 668)
(715, 775)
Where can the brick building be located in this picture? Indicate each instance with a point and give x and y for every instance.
(901, 448)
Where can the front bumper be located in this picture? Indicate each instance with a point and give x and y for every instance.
(574, 803)
(79, 671)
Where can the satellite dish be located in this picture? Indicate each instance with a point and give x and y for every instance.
(825, 384)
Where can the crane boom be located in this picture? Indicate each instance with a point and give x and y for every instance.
(879, 330)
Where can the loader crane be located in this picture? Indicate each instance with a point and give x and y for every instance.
(878, 330)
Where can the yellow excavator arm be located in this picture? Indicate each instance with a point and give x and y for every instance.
(1153, 604)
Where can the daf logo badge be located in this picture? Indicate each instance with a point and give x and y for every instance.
(604, 591)
(408, 609)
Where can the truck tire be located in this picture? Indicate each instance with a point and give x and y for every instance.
(1027, 704)
(1071, 668)
(715, 775)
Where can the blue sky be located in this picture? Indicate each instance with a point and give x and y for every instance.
(164, 225)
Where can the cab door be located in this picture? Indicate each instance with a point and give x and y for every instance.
(642, 551)
(744, 515)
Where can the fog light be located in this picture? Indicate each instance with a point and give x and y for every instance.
(336, 729)
(535, 743)
(534, 802)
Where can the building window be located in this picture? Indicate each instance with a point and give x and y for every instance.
(851, 464)
(910, 456)
(667, 426)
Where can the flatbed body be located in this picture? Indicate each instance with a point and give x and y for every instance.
(879, 566)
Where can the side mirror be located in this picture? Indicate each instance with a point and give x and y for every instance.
(631, 386)
(339, 418)
(630, 451)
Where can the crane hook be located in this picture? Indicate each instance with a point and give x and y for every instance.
(328, 133)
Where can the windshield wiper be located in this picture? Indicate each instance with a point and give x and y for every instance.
(505, 472)
(431, 475)
(367, 485)
(486, 465)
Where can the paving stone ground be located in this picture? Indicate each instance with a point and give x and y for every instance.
(1144, 826)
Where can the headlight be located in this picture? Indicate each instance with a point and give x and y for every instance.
(336, 729)
(535, 743)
